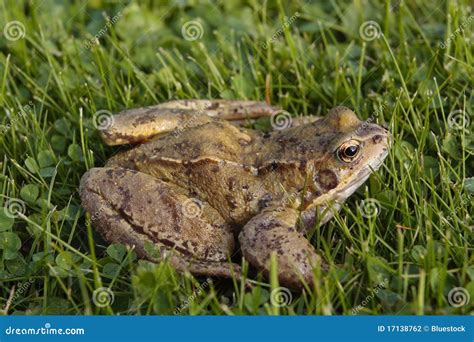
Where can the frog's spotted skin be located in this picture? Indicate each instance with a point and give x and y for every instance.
(265, 188)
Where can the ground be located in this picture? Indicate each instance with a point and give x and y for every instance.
(403, 244)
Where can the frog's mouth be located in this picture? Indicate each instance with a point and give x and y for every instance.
(332, 201)
(353, 185)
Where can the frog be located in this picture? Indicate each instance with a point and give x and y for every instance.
(203, 188)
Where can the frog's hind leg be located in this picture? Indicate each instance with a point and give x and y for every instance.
(134, 208)
(138, 125)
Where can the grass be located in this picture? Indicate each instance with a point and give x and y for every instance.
(414, 74)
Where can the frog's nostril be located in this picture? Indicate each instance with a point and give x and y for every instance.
(377, 139)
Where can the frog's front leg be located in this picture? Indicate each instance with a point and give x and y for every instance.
(274, 231)
(134, 208)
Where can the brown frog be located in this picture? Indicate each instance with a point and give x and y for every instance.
(201, 188)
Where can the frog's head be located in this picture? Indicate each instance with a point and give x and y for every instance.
(355, 150)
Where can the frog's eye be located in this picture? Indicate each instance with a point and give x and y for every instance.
(348, 151)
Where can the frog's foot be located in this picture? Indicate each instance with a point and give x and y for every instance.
(274, 231)
(304, 120)
(138, 125)
(134, 208)
(223, 109)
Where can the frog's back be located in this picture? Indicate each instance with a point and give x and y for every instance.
(209, 161)
(217, 140)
